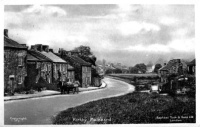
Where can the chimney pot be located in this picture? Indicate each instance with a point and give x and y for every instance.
(51, 50)
(45, 48)
(37, 47)
(6, 32)
(24, 45)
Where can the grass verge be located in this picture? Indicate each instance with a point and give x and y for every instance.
(134, 107)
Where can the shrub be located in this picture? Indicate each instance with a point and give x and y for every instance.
(19, 89)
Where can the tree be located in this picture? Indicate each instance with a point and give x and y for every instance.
(86, 54)
(157, 67)
(134, 70)
(108, 71)
(84, 50)
(141, 67)
(138, 68)
(117, 70)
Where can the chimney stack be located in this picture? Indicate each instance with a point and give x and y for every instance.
(179, 60)
(37, 47)
(6, 32)
(51, 50)
(24, 45)
(45, 48)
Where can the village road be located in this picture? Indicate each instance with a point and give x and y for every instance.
(37, 111)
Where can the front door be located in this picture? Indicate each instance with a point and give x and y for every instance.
(11, 84)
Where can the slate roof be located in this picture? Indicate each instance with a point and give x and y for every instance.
(37, 55)
(31, 58)
(75, 59)
(88, 59)
(12, 44)
(170, 64)
(192, 63)
(53, 57)
(79, 60)
(70, 67)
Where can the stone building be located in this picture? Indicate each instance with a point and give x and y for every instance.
(173, 76)
(82, 68)
(59, 66)
(14, 64)
(174, 66)
(38, 66)
(71, 73)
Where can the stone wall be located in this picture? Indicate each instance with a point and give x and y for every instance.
(14, 66)
(59, 71)
(37, 70)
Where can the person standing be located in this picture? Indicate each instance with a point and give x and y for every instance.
(76, 85)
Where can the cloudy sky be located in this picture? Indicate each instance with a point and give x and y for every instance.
(128, 34)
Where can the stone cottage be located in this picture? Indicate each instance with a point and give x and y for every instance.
(71, 73)
(171, 76)
(82, 68)
(14, 64)
(174, 66)
(59, 66)
(38, 66)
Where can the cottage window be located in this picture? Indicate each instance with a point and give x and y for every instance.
(60, 67)
(45, 67)
(193, 69)
(20, 61)
(55, 67)
(42, 67)
(38, 65)
(49, 67)
(20, 79)
(63, 67)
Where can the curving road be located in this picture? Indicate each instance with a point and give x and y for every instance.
(40, 110)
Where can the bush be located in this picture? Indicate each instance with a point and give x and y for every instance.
(19, 89)
(41, 84)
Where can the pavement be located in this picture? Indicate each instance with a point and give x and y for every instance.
(48, 93)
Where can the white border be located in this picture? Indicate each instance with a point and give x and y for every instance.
(197, 50)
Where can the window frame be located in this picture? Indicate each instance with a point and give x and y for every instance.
(20, 79)
(20, 61)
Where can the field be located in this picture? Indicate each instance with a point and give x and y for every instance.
(135, 75)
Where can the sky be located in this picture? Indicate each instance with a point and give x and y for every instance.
(124, 33)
